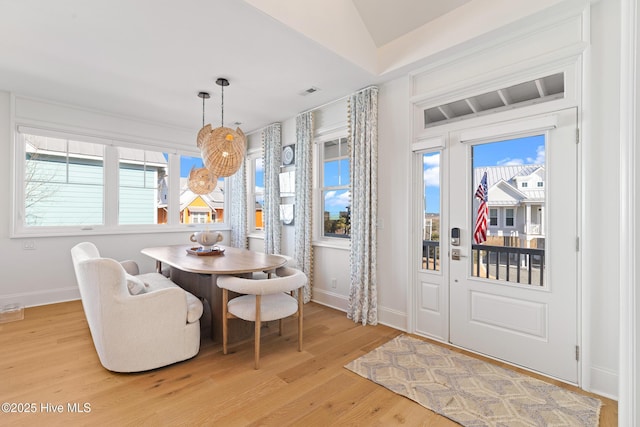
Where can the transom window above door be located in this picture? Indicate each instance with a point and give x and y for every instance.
(539, 90)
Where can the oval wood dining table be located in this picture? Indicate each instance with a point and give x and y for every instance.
(198, 274)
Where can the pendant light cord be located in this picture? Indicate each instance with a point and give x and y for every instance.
(222, 86)
(203, 111)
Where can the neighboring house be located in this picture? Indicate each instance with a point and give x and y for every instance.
(201, 208)
(516, 202)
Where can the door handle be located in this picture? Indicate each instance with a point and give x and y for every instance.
(456, 254)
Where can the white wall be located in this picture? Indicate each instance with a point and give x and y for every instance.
(394, 203)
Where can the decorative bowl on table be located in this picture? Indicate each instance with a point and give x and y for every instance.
(206, 239)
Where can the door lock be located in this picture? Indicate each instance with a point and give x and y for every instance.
(455, 254)
(455, 236)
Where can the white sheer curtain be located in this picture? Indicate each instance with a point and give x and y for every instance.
(303, 209)
(237, 214)
(363, 138)
(272, 148)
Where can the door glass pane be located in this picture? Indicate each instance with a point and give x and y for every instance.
(431, 223)
(505, 178)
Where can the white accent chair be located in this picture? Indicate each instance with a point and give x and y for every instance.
(267, 274)
(135, 329)
(264, 300)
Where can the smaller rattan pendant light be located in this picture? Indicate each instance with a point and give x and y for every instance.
(222, 148)
(201, 180)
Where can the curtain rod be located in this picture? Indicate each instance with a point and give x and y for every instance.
(262, 128)
(336, 100)
(315, 108)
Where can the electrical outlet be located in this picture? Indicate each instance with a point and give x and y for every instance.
(29, 245)
(334, 283)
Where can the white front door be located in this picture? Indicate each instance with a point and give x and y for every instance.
(514, 296)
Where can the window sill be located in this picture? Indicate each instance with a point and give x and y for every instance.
(340, 244)
(124, 229)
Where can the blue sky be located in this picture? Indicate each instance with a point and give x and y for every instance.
(336, 172)
(520, 151)
(187, 162)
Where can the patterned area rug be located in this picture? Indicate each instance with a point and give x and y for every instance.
(470, 391)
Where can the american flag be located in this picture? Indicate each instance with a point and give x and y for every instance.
(480, 231)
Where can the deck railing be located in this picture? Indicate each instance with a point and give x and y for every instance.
(431, 255)
(509, 263)
(533, 229)
(503, 262)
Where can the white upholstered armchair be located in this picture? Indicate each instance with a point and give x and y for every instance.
(137, 322)
(264, 300)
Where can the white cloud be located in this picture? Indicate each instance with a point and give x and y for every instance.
(431, 160)
(508, 161)
(431, 177)
(538, 160)
(335, 200)
(431, 174)
(540, 156)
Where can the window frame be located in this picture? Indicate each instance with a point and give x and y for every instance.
(110, 225)
(497, 217)
(319, 239)
(252, 156)
(506, 218)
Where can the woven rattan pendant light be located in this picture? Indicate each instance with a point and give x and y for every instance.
(202, 180)
(222, 148)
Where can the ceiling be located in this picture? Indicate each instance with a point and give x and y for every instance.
(148, 59)
(386, 20)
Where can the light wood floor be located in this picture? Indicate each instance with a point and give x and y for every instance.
(49, 358)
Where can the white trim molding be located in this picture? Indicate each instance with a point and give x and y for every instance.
(629, 158)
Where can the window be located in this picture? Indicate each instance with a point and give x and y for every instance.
(199, 217)
(525, 184)
(509, 219)
(255, 191)
(63, 182)
(540, 184)
(336, 189)
(258, 202)
(68, 184)
(197, 208)
(493, 217)
(143, 188)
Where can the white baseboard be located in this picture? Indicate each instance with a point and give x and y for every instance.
(604, 382)
(330, 299)
(31, 299)
(392, 318)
